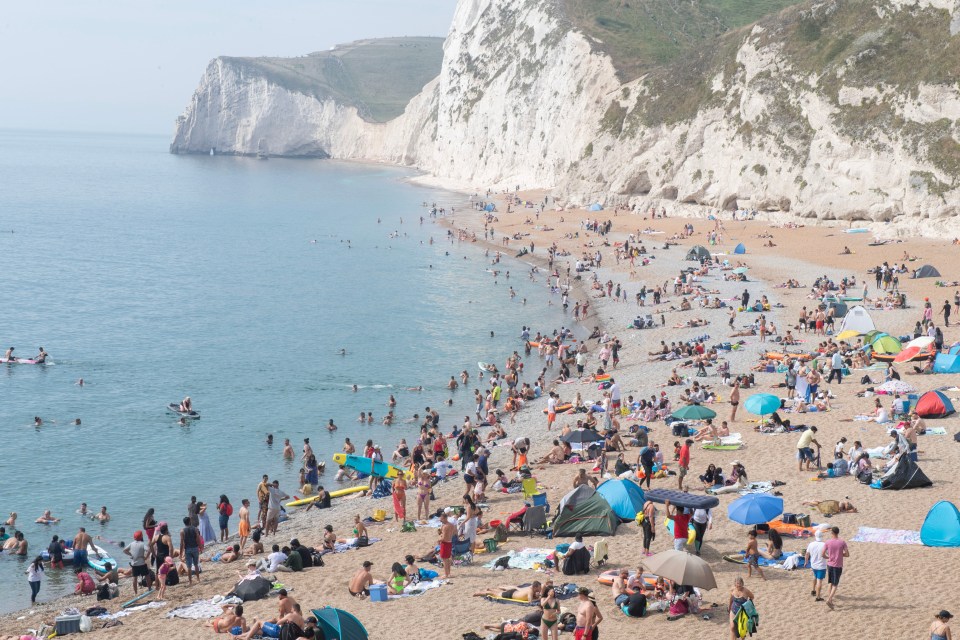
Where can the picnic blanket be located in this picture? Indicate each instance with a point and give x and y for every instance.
(523, 559)
(935, 431)
(418, 589)
(886, 536)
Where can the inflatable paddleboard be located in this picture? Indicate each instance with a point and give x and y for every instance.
(67, 555)
(723, 447)
(606, 578)
(137, 599)
(174, 407)
(361, 464)
(21, 361)
(485, 366)
(98, 563)
(333, 494)
(686, 500)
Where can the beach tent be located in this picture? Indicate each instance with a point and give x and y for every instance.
(886, 344)
(338, 624)
(838, 305)
(698, 253)
(933, 404)
(946, 364)
(740, 249)
(857, 319)
(926, 271)
(904, 475)
(954, 349)
(584, 511)
(596, 206)
(872, 335)
(941, 527)
(623, 496)
(490, 207)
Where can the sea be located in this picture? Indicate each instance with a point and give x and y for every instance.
(235, 281)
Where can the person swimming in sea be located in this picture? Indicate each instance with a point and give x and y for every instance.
(41, 357)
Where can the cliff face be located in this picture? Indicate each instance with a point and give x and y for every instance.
(842, 109)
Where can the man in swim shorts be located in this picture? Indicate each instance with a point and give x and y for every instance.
(588, 616)
(81, 542)
(447, 531)
(359, 586)
(835, 551)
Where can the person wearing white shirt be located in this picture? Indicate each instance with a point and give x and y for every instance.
(817, 562)
(274, 562)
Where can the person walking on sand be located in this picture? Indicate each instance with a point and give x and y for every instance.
(814, 559)
(836, 550)
(752, 555)
(946, 313)
(446, 533)
(244, 526)
(681, 525)
(940, 628)
(739, 594)
(734, 400)
(263, 499)
(683, 463)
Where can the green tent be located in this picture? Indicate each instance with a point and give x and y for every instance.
(886, 344)
(870, 336)
(585, 512)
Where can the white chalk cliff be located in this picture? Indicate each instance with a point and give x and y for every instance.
(522, 98)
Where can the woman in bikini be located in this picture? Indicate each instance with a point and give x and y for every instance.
(231, 617)
(400, 499)
(549, 627)
(423, 495)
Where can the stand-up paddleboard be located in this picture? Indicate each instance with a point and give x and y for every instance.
(174, 407)
(379, 468)
(97, 559)
(22, 361)
(140, 597)
(333, 494)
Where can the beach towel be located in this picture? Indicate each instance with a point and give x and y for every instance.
(756, 487)
(935, 431)
(523, 559)
(417, 589)
(886, 536)
(780, 563)
(349, 545)
(198, 610)
(156, 604)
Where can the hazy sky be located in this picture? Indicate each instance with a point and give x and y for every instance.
(132, 65)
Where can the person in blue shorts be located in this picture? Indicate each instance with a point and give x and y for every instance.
(814, 559)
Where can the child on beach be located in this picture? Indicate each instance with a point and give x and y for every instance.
(162, 573)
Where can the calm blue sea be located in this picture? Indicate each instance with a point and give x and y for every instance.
(154, 276)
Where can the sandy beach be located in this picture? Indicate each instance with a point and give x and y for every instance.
(887, 589)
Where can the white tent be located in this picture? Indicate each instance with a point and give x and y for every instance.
(857, 319)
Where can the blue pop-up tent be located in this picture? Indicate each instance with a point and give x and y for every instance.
(624, 497)
(596, 206)
(946, 363)
(490, 207)
(338, 624)
(941, 527)
(740, 248)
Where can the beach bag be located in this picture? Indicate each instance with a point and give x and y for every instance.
(363, 541)
(500, 533)
(317, 558)
(803, 520)
(829, 507)
(503, 562)
(380, 515)
(789, 518)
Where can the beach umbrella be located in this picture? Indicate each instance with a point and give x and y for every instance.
(338, 624)
(253, 589)
(847, 334)
(908, 354)
(923, 342)
(582, 436)
(896, 386)
(694, 412)
(683, 568)
(755, 508)
(762, 403)
(741, 270)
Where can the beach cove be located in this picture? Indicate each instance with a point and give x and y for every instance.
(866, 600)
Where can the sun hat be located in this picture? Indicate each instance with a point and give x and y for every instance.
(944, 614)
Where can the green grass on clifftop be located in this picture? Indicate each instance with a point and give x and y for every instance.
(641, 34)
(378, 77)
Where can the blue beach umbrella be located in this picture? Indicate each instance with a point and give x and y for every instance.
(337, 624)
(755, 508)
(762, 403)
(694, 412)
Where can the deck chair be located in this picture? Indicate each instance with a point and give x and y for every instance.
(514, 521)
(535, 519)
(529, 486)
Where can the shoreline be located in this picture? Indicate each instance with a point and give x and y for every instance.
(802, 253)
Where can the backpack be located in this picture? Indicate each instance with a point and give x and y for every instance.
(502, 561)
(229, 509)
(363, 541)
(317, 558)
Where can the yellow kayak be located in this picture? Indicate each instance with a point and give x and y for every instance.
(333, 494)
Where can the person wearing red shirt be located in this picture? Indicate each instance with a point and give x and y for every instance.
(681, 524)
